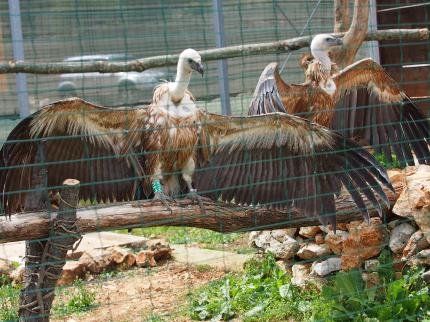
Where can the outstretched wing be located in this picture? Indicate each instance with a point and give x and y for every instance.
(370, 104)
(266, 97)
(276, 159)
(85, 142)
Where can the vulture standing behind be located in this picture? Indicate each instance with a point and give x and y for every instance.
(361, 100)
(176, 148)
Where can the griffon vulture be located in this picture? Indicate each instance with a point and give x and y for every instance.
(361, 100)
(178, 149)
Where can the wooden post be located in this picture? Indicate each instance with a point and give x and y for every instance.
(45, 259)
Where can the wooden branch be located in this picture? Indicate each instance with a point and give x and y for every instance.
(220, 217)
(207, 55)
(354, 37)
(341, 12)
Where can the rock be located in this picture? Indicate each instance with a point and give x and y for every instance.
(279, 234)
(342, 226)
(397, 276)
(17, 275)
(262, 241)
(336, 241)
(371, 264)
(311, 251)
(160, 248)
(122, 258)
(71, 270)
(145, 258)
(396, 175)
(424, 257)
(415, 199)
(6, 267)
(363, 242)
(400, 236)
(284, 250)
(301, 274)
(319, 238)
(371, 279)
(426, 277)
(97, 261)
(309, 232)
(253, 235)
(326, 267)
(286, 265)
(398, 263)
(416, 243)
(303, 277)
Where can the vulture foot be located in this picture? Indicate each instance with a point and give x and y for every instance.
(163, 198)
(195, 197)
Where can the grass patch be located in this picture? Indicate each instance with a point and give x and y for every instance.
(265, 293)
(203, 267)
(78, 298)
(9, 299)
(183, 235)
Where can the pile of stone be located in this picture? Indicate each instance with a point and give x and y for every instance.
(98, 261)
(312, 253)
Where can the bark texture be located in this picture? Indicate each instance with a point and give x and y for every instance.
(220, 217)
(342, 16)
(211, 54)
(44, 266)
(355, 35)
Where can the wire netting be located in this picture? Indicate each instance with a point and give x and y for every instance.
(241, 267)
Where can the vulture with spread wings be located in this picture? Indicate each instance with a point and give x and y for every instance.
(176, 149)
(361, 100)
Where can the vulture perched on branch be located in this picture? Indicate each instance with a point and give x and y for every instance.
(361, 100)
(178, 149)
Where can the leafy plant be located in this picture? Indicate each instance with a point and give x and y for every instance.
(263, 293)
(348, 300)
(9, 299)
(203, 267)
(387, 165)
(78, 298)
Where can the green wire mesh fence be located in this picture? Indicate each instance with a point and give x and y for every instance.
(253, 249)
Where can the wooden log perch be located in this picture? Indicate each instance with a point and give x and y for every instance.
(143, 64)
(220, 217)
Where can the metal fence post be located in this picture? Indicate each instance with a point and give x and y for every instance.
(18, 54)
(222, 63)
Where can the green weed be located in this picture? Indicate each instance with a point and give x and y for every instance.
(348, 299)
(9, 299)
(182, 235)
(203, 267)
(78, 298)
(263, 293)
(387, 165)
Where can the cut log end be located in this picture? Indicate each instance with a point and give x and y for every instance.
(71, 182)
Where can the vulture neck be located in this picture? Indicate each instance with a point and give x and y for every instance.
(322, 57)
(179, 87)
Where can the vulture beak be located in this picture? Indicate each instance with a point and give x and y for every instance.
(338, 41)
(200, 68)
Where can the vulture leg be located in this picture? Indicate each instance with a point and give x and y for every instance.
(162, 197)
(189, 166)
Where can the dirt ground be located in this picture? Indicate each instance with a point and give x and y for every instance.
(142, 293)
(146, 294)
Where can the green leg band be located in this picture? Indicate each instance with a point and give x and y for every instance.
(156, 186)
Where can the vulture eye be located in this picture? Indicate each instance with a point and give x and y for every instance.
(328, 39)
(190, 60)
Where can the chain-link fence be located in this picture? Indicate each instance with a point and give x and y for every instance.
(187, 214)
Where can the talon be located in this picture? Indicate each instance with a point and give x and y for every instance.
(163, 198)
(193, 196)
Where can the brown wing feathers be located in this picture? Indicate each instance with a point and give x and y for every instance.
(285, 171)
(77, 147)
